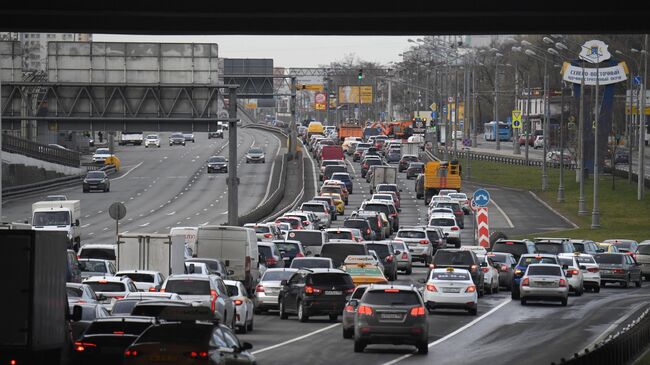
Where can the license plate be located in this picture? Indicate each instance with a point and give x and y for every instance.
(333, 292)
(606, 271)
(163, 358)
(111, 350)
(451, 290)
(391, 316)
(545, 284)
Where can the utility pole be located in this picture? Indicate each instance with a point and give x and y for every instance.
(642, 125)
(560, 189)
(527, 126)
(595, 213)
(474, 100)
(390, 101)
(497, 128)
(1, 134)
(515, 139)
(545, 128)
(582, 209)
(446, 113)
(456, 116)
(233, 181)
(293, 122)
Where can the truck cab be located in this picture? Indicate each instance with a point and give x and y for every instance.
(440, 175)
(62, 215)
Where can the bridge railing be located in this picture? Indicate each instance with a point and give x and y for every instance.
(40, 151)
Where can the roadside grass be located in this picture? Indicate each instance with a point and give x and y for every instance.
(621, 214)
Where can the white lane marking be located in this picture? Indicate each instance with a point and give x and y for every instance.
(503, 213)
(314, 171)
(105, 229)
(553, 210)
(204, 224)
(296, 339)
(100, 212)
(205, 209)
(178, 222)
(128, 172)
(470, 324)
(188, 218)
(85, 225)
(144, 225)
(87, 216)
(172, 213)
(125, 232)
(268, 185)
(91, 233)
(226, 212)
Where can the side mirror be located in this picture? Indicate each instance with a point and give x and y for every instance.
(397, 252)
(400, 190)
(230, 272)
(76, 222)
(246, 346)
(77, 312)
(284, 282)
(354, 302)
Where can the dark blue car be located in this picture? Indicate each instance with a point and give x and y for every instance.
(522, 265)
(345, 178)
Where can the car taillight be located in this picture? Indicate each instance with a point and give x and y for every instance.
(618, 271)
(83, 346)
(485, 269)
(259, 288)
(364, 310)
(470, 289)
(504, 267)
(119, 297)
(458, 212)
(424, 242)
(349, 309)
(418, 312)
(405, 256)
(525, 282)
(432, 288)
(562, 283)
(131, 353)
(299, 254)
(213, 298)
(162, 290)
(389, 258)
(153, 289)
(268, 235)
(311, 290)
(518, 272)
(454, 228)
(572, 272)
(593, 269)
(197, 354)
(239, 302)
(473, 268)
(270, 261)
(368, 231)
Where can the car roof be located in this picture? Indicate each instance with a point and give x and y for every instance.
(151, 272)
(391, 286)
(112, 279)
(322, 271)
(99, 245)
(188, 277)
(547, 255)
(443, 270)
(305, 258)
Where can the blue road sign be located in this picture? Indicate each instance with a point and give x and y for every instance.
(481, 198)
(444, 109)
(434, 115)
(637, 80)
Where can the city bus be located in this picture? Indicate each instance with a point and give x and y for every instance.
(489, 131)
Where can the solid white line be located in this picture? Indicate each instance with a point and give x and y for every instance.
(470, 324)
(553, 210)
(128, 172)
(268, 185)
(314, 169)
(503, 214)
(295, 339)
(85, 225)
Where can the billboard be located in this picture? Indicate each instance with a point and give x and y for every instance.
(320, 101)
(350, 94)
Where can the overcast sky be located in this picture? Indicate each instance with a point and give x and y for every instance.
(288, 51)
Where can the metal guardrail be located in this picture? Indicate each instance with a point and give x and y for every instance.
(619, 348)
(46, 185)
(510, 160)
(40, 151)
(273, 200)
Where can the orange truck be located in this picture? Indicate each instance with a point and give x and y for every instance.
(350, 130)
(440, 175)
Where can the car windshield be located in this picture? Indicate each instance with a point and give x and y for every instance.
(525, 261)
(356, 223)
(411, 234)
(458, 196)
(643, 250)
(307, 238)
(442, 222)
(318, 208)
(95, 175)
(453, 258)
(233, 290)
(544, 270)
(140, 277)
(152, 136)
(177, 333)
(565, 261)
(310, 264)
(387, 188)
(609, 259)
(515, 248)
(97, 253)
(499, 257)
(188, 287)
(340, 235)
(51, 219)
(92, 266)
(547, 247)
(123, 307)
(627, 245)
(398, 246)
(74, 292)
(213, 265)
(341, 177)
(391, 297)
(177, 136)
(377, 208)
(102, 151)
(265, 251)
(382, 197)
(277, 275)
(99, 286)
(453, 276)
(255, 150)
(330, 279)
(217, 159)
(433, 235)
(288, 248)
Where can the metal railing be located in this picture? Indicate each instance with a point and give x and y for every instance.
(619, 348)
(39, 151)
(51, 184)
(510, 160)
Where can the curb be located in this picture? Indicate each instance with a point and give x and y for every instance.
(575, 226)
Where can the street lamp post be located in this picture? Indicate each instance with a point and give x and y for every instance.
(595, 213)
(642, 124)
(629, 118)
(545, 121)
(496, 99)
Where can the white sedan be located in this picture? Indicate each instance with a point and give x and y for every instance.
(451, 288)
(490, 274)
(244, 307)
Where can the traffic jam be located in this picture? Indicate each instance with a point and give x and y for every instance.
(337, 256)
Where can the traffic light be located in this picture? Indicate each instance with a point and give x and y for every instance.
(360, 76)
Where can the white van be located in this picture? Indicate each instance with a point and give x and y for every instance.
(236, 247)
(189, 234)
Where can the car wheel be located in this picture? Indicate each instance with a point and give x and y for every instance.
(495, 289)
(348, 332)
(597, 289)
(257, 310)
(638, 283)
(334, 317)
(359, 346)
(626, 283)
(565, 301)
(423, 348)
(473, 310)
(243, 329)
(302, 316)
(523, 301)
(250, 325)
(85, 190)
(409, 270)
(514, 294)
(283, 313)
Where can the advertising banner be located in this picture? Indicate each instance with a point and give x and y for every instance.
(320, 100)
(605, 75)
(350, 94)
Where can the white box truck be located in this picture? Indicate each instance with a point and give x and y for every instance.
(236, 247)
(60, 216)
(189, 235)
(411, 148)
(383, 175)
(148, 251)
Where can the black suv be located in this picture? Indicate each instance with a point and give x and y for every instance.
(515, 247)
(361, 224)
(554, 246)
(461, 259)
(312, 292)
(386, 254)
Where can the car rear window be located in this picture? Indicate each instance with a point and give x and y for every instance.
(73, 292)
(515, 248)
(319, 208)
(609, 259)
(97, 253)
(387, 188)
(265, 251)
(338, 252)
(565, 261)
(342, 235)
(547, 247)
(382, 250)
(129, 328)
(307, 238)
(442, 222)
(139, 277)
(544, 270)
(310, 264)
(525, 261)
(92, 266)
(644, 250)
(330, 279)
(359, 292)
(622, 244)
(177, 334)
(123, 307)
(233, 290)
(107, 287)
(411, 234)
(341, 177)
(498, 257)
(287, 247)
(432, 235)
(188, 287)
(580, 247)
(356, 223)
(277, 275)
(261, 229)
(585, 260)
(382, 297)
(453, 258)
(212, 265)
(449, 276)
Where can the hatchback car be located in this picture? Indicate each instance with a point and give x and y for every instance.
(522, 265)
(405, 161)
(347, 319)
(244, 306)
(271, 255)
(386, 255)
(623, 245)
(403, 255)
(96, 180)
(266, 292)
(553, 246)
(414, 169)
(589, 268)
(391, 314)
(461, 259)
(96, 267)
(585, 246)
(505, 264)
(111, 288)
(643, 258)
(514, 247)
(573, 272)
(544, 282)
(152, 140)
(417, 242)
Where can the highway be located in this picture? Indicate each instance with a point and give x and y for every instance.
(166, 187)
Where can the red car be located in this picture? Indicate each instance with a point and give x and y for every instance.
(522, 140)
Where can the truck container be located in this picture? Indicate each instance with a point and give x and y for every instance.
(35, 309)
(130, 137)
(332, 153)
(60, 216)
(236, 247)
(350, 130)
(383, 175)
(411, 148)
(440, 175)
(147, 251)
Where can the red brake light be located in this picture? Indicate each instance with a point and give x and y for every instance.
(618, 271)
(405, 256)
(197, 354)
(364, 310)
(311, 290)
(119, 297)
(152, 289)
(238, 302)
(259, 288)
(82, 346)
(593, 269)
(525, 282)
(418, 312)
(299, 254)
(270, 261)
(504, 267)
(368, 231)
(424, 242)
(485, 269)
(572, 272)
(162, 290)
(213, 298)
(454, 228)
(473, 268)
(131, 353)
(349, 291)
(509, 243)
(118, 332)
(268, 235)
(470, 289)
(391, 290)
(389, 258)
(432, 288)
(562, 283)
(349, 309)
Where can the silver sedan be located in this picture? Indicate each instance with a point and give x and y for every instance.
(544, 282)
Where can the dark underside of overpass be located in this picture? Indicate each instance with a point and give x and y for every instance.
(326, 18)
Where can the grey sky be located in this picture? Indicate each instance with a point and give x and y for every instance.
(288, 51)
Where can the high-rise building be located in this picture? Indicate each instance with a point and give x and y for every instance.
(35, 47)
